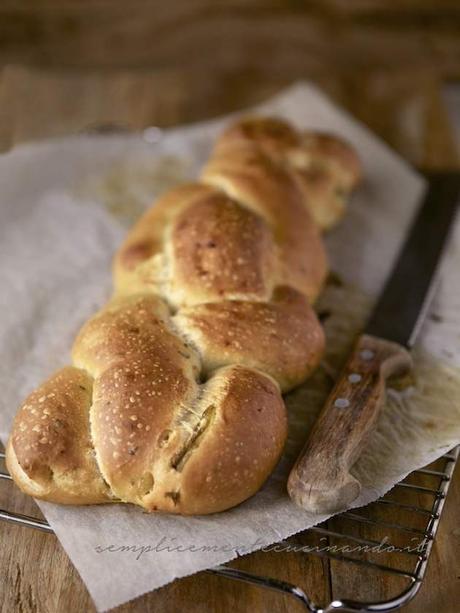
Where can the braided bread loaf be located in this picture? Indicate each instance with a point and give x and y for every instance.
(173, 401)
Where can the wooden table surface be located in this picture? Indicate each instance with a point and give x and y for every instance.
(401, 105)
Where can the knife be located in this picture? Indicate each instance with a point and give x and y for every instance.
(320, 480)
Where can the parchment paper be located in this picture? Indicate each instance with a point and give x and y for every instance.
(65, 205)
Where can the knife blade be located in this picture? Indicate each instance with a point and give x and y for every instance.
(320, 480)
(401, 309)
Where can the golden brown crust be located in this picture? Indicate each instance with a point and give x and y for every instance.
(244, 442)
(273, 136)
(50, 453)
(324, 167)
(139, 264)
(173, 401)
(268, 190)
(143, 372)
(330, 150)
(220, 250)
(283, 337)
(210, 456)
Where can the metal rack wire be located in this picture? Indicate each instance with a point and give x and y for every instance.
(424, 523)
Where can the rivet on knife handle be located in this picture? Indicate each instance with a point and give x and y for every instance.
(320, 480)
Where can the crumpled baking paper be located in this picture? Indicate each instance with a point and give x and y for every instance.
(64, 208)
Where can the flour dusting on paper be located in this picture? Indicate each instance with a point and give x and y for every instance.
(132, 185)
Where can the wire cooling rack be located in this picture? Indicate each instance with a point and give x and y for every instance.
(363, 537)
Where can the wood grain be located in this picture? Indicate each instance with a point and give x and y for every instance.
(320, 480)
(67, 65)
(38, 577)
(308, 36)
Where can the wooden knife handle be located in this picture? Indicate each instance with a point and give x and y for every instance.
(320, 480)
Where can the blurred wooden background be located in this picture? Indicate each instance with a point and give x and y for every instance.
(67, 65)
